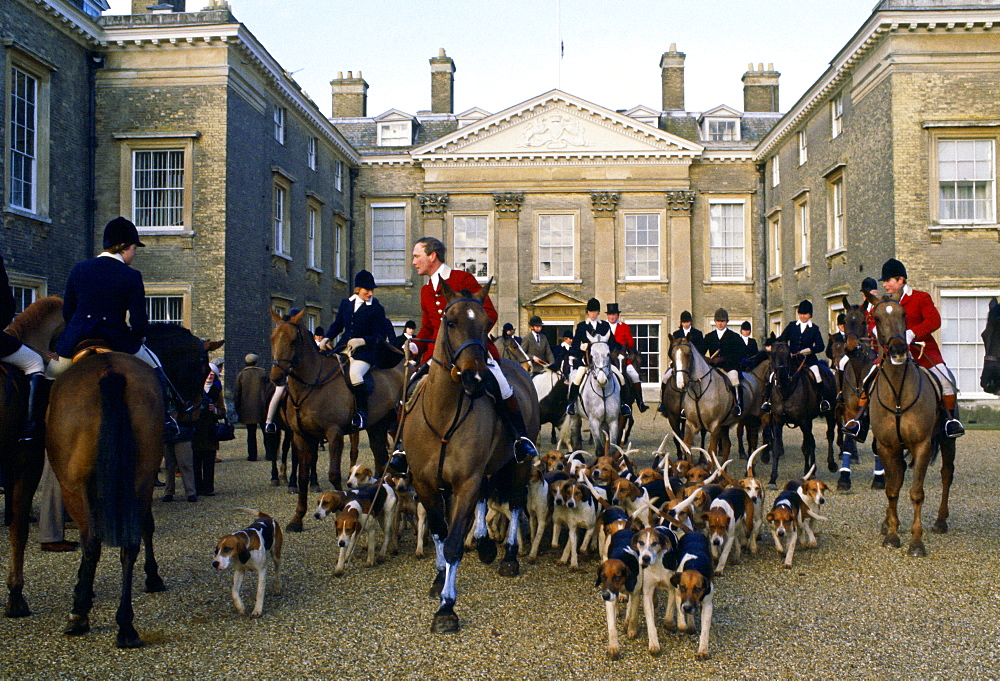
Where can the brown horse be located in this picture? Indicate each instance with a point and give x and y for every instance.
(905, 414)
(320, 404)
(990, 378)
(458, 448)
(38, 326)
(104, 438)
(851, 373)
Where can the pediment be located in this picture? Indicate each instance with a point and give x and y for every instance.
(721, 111)
(557, 125)
(394, 115)
(557, 298)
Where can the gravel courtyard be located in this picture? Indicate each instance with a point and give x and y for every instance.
(850, 609)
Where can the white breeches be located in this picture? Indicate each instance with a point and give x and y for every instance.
(632, 373)
(272, 406)
(576, 378)
(26, 359)
(734, 377)
(357, 371)
(667, 374)
(505, 389)
(944, 375)
(61, 364)
(818, 377)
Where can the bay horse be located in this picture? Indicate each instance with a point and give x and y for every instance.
(599, 400)
(906, 414)
(38, 327)
(459, 451)
(320, 404)
(795, 401)
(104, 439)
(990, 378)
(706, 397)
(753, 417)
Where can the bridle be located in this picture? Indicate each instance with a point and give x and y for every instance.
(897, 392)
(471, 343)
(690, 379)
(290, 372)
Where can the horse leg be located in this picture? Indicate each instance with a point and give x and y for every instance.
(849, 449)
(518, 500)
(464, 497)
(127, 636)
(485, 547)
(154, 583)
(739, 439)
(314, 468)
(947, 475)
(894, 470)
(808, 446)
(378, 442)
(831, 430)
(355, 439)
(20, 491)
(83, 592)
(725, 445)
(778, 445)
(335, 438)
(304, 452)
(921, 457)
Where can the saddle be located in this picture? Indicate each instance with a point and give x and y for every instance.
(88, 347)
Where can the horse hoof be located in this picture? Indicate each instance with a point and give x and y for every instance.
(844, 483)
(832, 465)
(275, 483)
(315, 489)
(765, 456)
(917, 549)
(16, 606)
(531, 560)
(772, 485)
(78, 624)
(444, 623)
(884, 528)
(294, 526)
(509, 568)
(891, 541)
(437, 586)
(129, 639)
(487, 550)
(878, 482)
(154, 584)
(940, 527)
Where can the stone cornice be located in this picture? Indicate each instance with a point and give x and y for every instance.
(70, 18)
(604, 204)
(433, 204)
(509, 203)
(680, 200)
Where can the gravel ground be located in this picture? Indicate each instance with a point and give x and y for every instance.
(849, 609)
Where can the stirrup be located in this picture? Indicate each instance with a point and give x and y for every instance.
(358, 420)
(170, 427)
(524, 448)
(571, 409)
(625, 410)
(765, 407)
(852, 428)
(824, 405)
(270, 428)
(953, 431)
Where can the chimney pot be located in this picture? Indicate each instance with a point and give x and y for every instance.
(760, 88)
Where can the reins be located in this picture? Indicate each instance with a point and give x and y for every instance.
(290, 372)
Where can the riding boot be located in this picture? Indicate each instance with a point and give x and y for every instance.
(639, 402)
(510, 413)
(574, 392)
(38, 401)
(170, 427)
(765, 406)
(952, 426)
(360, 420)
(824, 397)
(738, 405)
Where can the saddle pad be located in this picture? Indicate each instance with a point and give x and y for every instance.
(414, 390)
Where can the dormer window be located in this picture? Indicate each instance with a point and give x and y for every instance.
(395, 134)
(722, 130)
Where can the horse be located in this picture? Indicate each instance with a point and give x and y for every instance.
(38, 326)
(706, 397)
(990, 378)
(906, 414)
(105, 443)
(628, 397)
(552, 390)
(752, 418)
(320, 404)
(458, 450)
(600, 397)
(795, 401)
(851, 373)
(513, 351)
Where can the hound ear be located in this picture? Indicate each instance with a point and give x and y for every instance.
(243, 556)
(598, 582)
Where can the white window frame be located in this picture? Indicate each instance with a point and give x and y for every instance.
(314, 233)
(281, 219)
(977, 393)
(541, 250)
(176, 206)
(729, 133)
(338, 175)
(837, 240)
(402, 260)
(280, 115)
(991, 189)
(403, 137)
(654, 371)
(836, 116)
(630, 251)
(777, 325)
(169, 301)
(458, 252)
(775, 170)
(311, 152)
(29, 154)
(803, 147)
(744, 245)
(802, 236)
(774, 241)
(338, 250)
(312, 320)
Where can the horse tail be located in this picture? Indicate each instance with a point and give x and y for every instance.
(117, 509)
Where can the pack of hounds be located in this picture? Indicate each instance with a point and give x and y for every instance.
(671, 527)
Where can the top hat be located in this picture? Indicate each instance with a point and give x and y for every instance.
(364, 279)
(893, 268)
(612, 309)
(121, 231)
(593, 305)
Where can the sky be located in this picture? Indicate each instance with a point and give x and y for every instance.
(507, 51)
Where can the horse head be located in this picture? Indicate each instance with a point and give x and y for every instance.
(855, 325)
(184, 357)
(890, 327)
(990, 378)
(781, 359)
(287, 339)
(461, 342)
(681, 362)
(600, 359)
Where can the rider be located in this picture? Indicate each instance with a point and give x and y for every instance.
(922, 320)
(362, 320)
(536, 346)
(749, 343)
(688, 331)
(581, 341)
(623, 334)
(100, 292)
(836, 337)
(428, 259)
(24, 358)
(806, 340)
(507, 335)
(724, 349)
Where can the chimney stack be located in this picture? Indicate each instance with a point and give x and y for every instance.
(350, 95)
(672, 74)
(442, 83)
(760, 88)
(157, 6)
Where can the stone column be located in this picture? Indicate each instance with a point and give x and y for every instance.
(679, 205)
(506, 293)
(432, 210)
(604, 205)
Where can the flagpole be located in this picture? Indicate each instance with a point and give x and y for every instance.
(559, 38)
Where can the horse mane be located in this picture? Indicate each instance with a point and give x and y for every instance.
(33, 315)
(167, 329)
